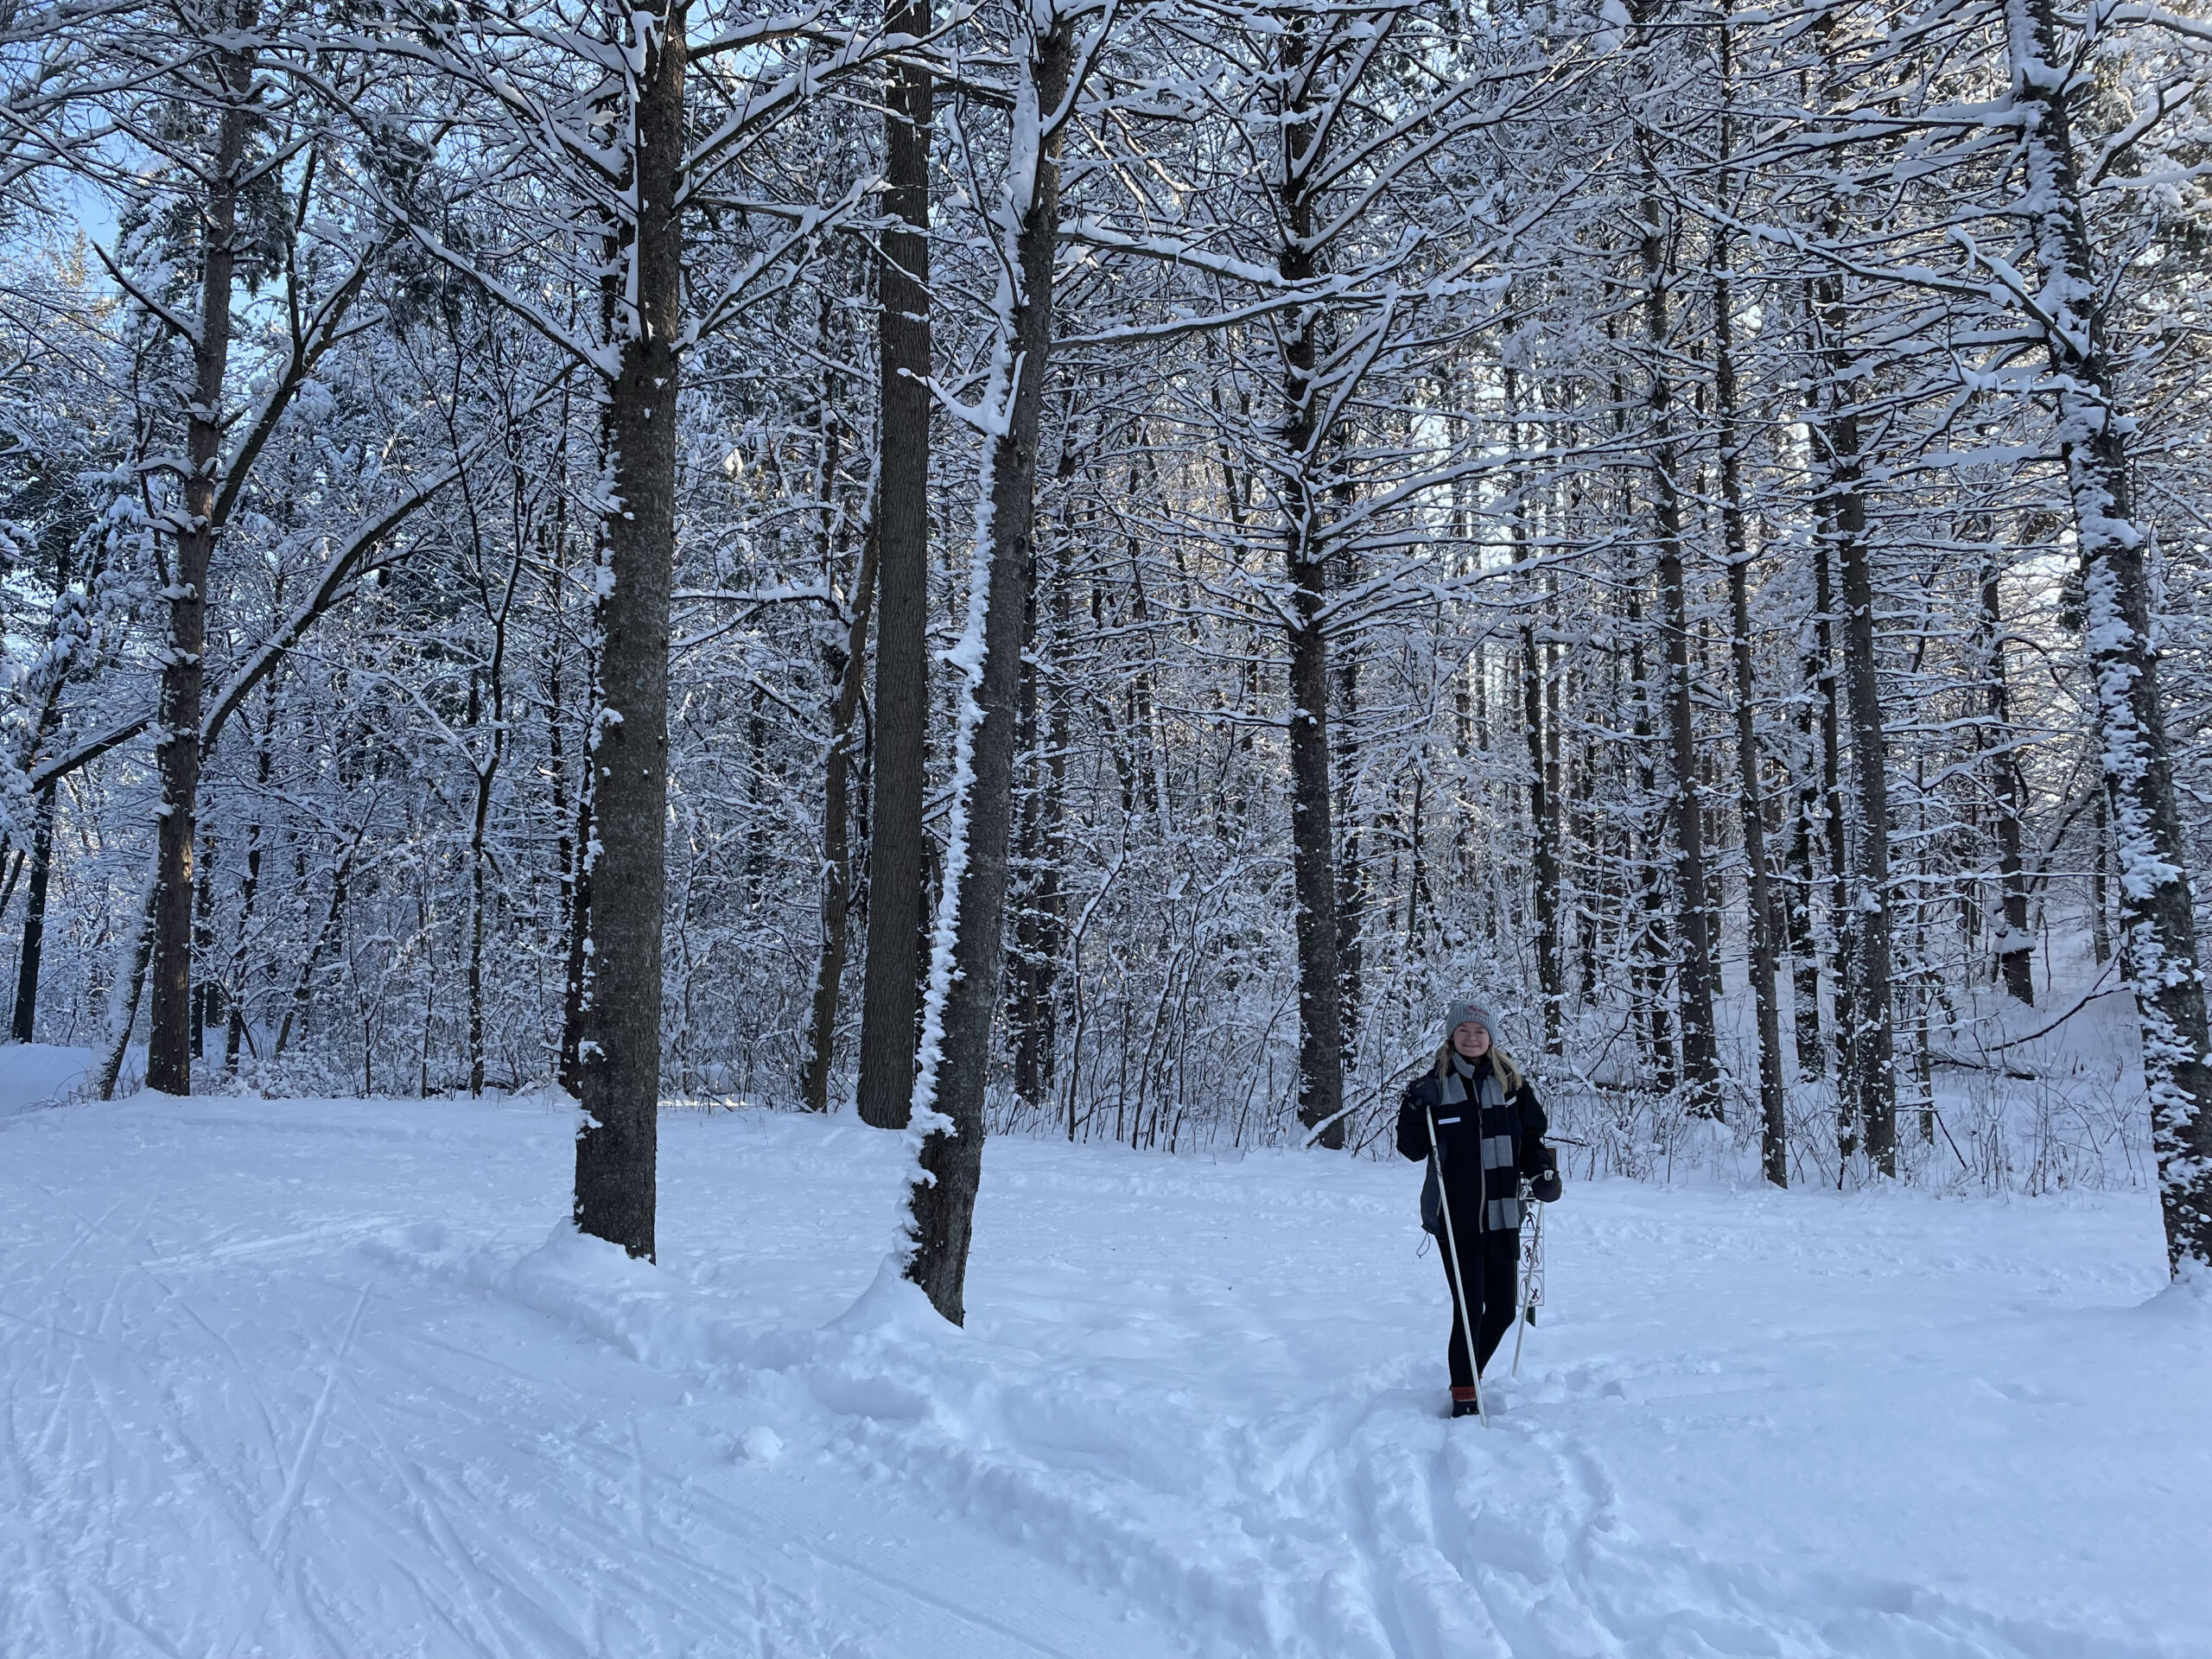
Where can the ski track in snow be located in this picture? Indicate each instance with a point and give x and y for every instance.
(326, 1378)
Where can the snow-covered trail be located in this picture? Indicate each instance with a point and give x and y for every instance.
(310, 1378)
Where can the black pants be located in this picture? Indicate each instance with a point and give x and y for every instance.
(1490, 1267)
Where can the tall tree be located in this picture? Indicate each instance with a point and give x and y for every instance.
(2156, 903)
(1841, 465)
(890, 990)
(1686, 812)
(969, 949)
(674, 137)
(1763, 924)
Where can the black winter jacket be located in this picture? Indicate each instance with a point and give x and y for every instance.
(1482, 1200)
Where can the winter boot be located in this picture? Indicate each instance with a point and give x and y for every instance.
(1464, 1403)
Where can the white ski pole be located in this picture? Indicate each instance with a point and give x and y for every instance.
(1520, 1302)
(1452, 1248)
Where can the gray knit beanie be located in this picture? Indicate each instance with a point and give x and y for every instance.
(1470, 1014)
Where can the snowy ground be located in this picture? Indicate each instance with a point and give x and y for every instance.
(34, 1075)
(309, 1378)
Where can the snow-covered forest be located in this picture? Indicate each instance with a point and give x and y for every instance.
(667, 619)
(1185, 534)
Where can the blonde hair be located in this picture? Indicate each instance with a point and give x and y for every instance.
(1509, 1075)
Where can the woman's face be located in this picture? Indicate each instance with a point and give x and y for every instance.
(1471, 1041)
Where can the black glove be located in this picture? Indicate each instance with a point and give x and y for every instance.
(1546, 1187)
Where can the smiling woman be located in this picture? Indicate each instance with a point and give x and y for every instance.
(1478, 1122)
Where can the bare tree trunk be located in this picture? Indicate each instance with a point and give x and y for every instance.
(1417, 901)
(1025, 1011)
(569, 1063)
(1652, 944)
(616, 1190)
(965, 979)
(1144, 761)
(889, 991)
(1804, 939)
(265, 761)
(1871, 1033)
(1693, 955)
(1045, 831)
(169, 1042)
(206, 989)
(2101, 885)
(26, 1022)
(2156, 907)
(1542, 742)
(1555, 804)
(836, 857)
(492, 682)
(1344, 824)
(2016, 949)
(1774, 1145)
(1320, 1014)
(1320, 1046)
(248, 890)
(487, 771)
(1543, 824)
(572, 826)
(1866, 1037)
(118, 1045)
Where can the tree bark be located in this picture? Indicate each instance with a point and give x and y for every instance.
(616, 1176)
(2016, 947)
(1693, 955)
(264, 760)
(1044, 830)
(1344, 824)
(1871, 1033)
(568, 1062)
(2101, 885)
(26, 1022)
(1763, 924)
(1867, 1036)
(169, 1040)
(1804, 939)
(1320, 1044)
(207, 990)
(1539, 706)
(2159, 928)
(836, 856)
(1774, 1145)
(118, 1042)
(1320, 1012)
(1024, 1005)
(889, 994)
(1843, 922)
(1652, 944)
(1543, 823)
